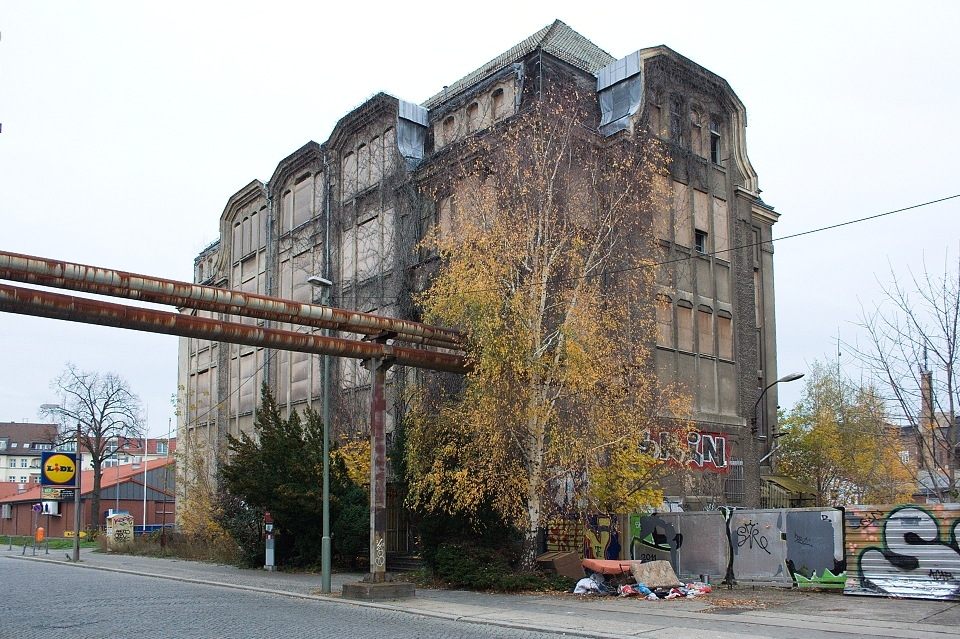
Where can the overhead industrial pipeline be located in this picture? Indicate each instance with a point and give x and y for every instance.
(24, 301)
(92, 279)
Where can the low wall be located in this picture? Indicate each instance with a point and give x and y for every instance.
(903, 551)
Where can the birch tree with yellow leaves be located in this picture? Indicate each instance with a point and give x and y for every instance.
(545, 244)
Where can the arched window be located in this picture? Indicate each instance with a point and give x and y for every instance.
(449, 129)
(676, 120)
(715, 146)
(497, 99)
(473, 117)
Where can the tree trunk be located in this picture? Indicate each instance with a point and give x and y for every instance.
(95, 496)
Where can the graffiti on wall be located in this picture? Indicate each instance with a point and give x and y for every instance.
(904, 551)
(695, 449)
(799, 547)
(815, 548)
(597, 538)
(652, 539)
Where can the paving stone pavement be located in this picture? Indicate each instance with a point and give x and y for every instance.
(742, 612)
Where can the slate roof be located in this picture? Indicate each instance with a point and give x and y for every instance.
(24, 434)
(557, 39)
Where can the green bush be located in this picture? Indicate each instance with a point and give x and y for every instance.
(351, 529)
(481, 568)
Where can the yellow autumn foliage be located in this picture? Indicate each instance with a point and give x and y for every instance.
(545, 248)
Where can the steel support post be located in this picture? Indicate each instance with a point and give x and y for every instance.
(378, 469)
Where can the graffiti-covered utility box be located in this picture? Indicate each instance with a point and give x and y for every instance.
(120, 528)
(903, 551)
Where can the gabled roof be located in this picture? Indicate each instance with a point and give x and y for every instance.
(557, 39)
(24, 434)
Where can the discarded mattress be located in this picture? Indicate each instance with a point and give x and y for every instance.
(609, 566)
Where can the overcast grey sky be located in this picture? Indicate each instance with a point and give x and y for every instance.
(126, 126)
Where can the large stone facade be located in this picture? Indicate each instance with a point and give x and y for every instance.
(353, 209)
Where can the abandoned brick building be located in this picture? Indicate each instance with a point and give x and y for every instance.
(351, 210)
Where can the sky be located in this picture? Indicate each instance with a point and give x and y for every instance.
(127, 126)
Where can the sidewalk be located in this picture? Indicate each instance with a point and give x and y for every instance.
(740, 612)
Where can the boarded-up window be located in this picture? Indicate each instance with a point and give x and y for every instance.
(685, 327)
(202, 399)
(681, 214)
(302, 269)
(721, 233)
(263, 229)
(705, 331)
(725, 336)
(428, 219)
(662, 191)
(446, 216)
(665, 323)
(302, 202)
(368, 248)
(449, 129)
(498, 106)
(349, 180)
(348, 253)
(299, 376)
(348, 372)
(247, 235)
(389, 150)
(376, 160)
(286, 213)
(237, 242)
(473, 117)
(363, 167)
(676, 121)
(248, 383)
(286, 279)
(255, 231)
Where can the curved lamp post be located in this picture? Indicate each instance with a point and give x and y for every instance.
(792, 377)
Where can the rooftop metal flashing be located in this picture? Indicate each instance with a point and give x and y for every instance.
(620, 91)
(413, 112)
(620, 70)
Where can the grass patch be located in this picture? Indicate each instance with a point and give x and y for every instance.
(176, 545)
(56, 543)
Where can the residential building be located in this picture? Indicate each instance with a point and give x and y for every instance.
(354, 208)
(21, 445)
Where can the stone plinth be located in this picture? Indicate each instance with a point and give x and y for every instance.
(379, 591)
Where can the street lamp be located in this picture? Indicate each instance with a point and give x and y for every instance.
(325, 284)
(792, 377)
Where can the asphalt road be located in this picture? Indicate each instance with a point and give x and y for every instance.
(51, 601)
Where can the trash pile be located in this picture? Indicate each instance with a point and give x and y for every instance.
(689, 591)
(649, 580)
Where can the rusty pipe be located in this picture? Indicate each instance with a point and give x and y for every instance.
(91, 279)
(24, 301)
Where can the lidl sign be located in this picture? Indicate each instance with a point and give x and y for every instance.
(58, 469)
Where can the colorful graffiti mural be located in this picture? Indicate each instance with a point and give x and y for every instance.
(904, 551)
(597, 538)
(695, 449)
